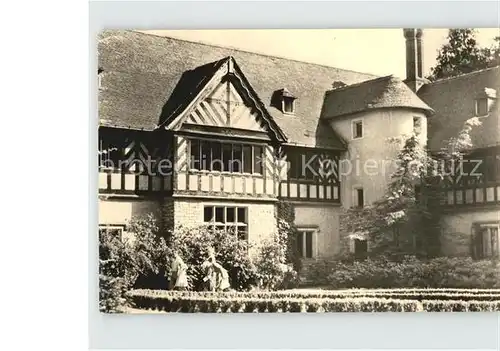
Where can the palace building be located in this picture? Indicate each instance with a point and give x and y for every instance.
(205, 135)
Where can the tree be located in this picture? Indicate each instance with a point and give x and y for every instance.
(492, 54)
(462, 54)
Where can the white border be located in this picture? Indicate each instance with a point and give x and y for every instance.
(386, 331)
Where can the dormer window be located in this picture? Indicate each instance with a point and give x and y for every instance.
(284, 101)
(483, 102)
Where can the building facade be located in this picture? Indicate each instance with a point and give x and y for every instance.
(203, 135)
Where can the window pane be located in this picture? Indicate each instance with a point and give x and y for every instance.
(294, 163)
(485, 233)
(109, 153)
(300, 244)
(482, 107)
(479, 243)
(257, 167)
(310, 165)
(247, 159)
(242, 218)
(242, 232)
(360, 197)
(206, 155)
(208, 214)
(237, 163)
(494, 242)
(216, 157)
(417, 123)
(288, 104)
(219, 214)
(230, 215)
(309, 244)
(195, 155)
(490, 166)
(358, 129)
(226, 157)
(360, 248)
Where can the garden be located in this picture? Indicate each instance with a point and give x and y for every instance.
(138, 276)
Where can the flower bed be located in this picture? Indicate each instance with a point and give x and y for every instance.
(413, 300)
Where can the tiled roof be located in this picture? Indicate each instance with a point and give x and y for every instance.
(453, 101)
(141, 73)
(383, 92)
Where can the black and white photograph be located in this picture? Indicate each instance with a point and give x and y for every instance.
(298, 170)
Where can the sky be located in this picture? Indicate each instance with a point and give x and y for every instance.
(377, 51)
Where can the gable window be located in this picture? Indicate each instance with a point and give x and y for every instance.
(357, 129)
(486, 240)
(306, 243)
(226, 157)
(417, 125)
(481, 106)
(227, 218)
(288, 104)
(359, 197)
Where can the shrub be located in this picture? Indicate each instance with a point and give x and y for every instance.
(232, 253)
(115, 273)
(274, 269)
(151, 255)
(458, 272)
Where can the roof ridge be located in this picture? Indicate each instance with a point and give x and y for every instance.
(249, 52)
(361, 83)
(447, 79)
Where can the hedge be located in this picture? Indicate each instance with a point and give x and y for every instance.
(400, 294)
(190, 302)
(375, 273)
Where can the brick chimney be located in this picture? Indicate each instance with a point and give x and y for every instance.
(414, 58)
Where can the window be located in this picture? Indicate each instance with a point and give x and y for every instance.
(99, 78)
(359, 197)
(226, 157)
(486, 240)
(357, 129)
(227, 218)
(490, 168)
(417, 125)
(109, 153)
(310, 165)
(481, 106)
(360, 249)
(288, 104)
(115, 231)
(306, 243)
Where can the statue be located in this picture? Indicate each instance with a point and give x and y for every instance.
(178, 274)
(216, 277)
